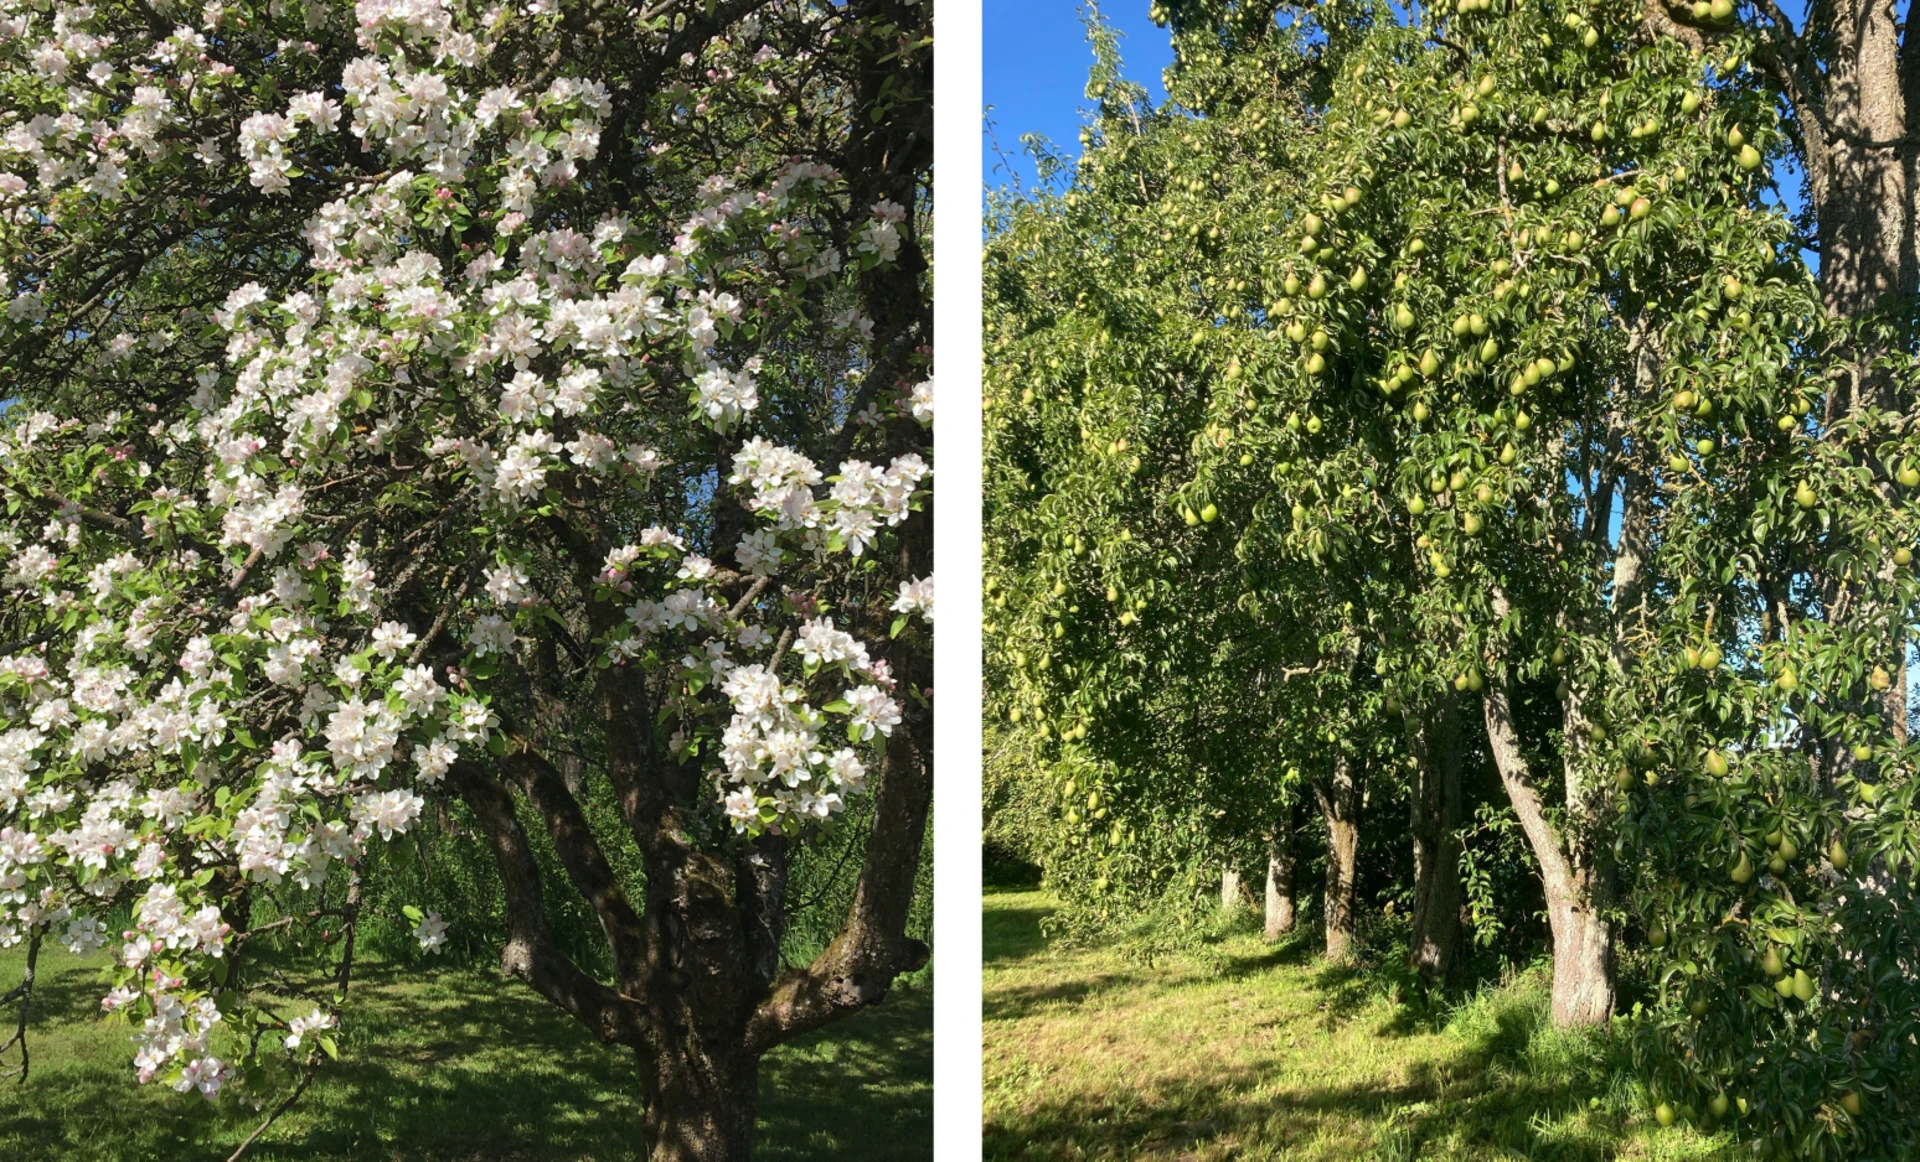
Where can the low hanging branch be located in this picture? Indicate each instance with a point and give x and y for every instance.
(22, 993)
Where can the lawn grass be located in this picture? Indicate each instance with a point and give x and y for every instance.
(1262, 1051)
(454, 1064)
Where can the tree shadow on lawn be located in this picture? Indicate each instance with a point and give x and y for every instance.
(1011, 932)
(1491, 1098)
(460, 1066)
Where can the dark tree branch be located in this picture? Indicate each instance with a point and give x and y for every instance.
(529, 952)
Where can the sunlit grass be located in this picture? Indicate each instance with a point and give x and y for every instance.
(454, 1064)
(1264, 1052)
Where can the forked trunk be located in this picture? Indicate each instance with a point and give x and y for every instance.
(1435, 742)
(700, 1105)
(1582, 938)
(1338, 805)
(1281, 862)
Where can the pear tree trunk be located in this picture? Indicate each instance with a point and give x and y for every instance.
(1229, 890)
(1571, 876)
(1435, 741)
(1282, 860)
(1339, 806)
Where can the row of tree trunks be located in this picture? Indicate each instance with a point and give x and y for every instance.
(1437, 814)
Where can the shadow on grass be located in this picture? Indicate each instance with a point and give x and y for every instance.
(460, 1066)
(1499, 1082)
(1012, 932)
(1485, 1103)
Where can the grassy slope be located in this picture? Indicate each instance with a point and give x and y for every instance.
(455, 1065)
(1269, 1053)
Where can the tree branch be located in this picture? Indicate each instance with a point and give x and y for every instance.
(529, 952)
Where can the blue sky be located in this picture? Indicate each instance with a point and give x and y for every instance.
(1034, 73)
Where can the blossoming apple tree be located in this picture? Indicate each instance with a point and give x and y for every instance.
(422, 400)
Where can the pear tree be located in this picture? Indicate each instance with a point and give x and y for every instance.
(1512, 309)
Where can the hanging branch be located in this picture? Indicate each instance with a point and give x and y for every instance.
(23, 992)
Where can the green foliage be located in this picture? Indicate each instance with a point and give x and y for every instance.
(1474, 355)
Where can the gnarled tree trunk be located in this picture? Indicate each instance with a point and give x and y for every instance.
(1339, 805)
(700, 1107)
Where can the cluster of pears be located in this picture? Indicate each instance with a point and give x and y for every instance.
(1711, 12)
(1706, 657)
(1589, 35)
(1797, 984)
(1205, 514)
(1629, 205)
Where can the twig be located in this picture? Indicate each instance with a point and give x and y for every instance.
(24, 993)
(746, 599)
(439, 623)
(240, 578)
(273, 1117)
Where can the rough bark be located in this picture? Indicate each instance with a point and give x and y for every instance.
(700, 1104)
(1339, 806)
(529, 952)
(1282, 861)
(1436, 745)
(1862, 203)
